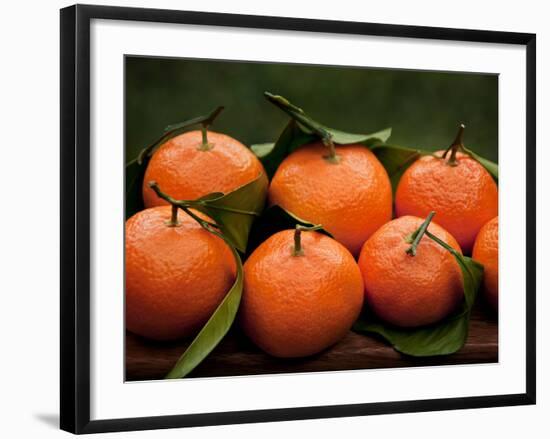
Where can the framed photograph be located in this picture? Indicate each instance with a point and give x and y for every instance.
(285, 218)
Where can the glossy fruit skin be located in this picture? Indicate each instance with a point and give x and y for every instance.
(464, 197)
(296, 306)
(486, 252)
(185, 172)
(405, 290)
(175, 276)
(351, 199)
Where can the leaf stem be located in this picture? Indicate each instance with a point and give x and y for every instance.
(298, 250)
(417, 235)
(457, 145)
(193, 203)
(300, 116)
(180, 204)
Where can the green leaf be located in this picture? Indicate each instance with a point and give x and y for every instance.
(396, 160)
(135, 169)
(472, 271)
(273, 220)
(262, 149)
(301, 130)
(235, 211)
(290, 139)
(491, 167)
(443, 338)
(342, 138)
(134, 178)
(214, 330)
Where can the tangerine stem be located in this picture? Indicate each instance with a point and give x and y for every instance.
(173, 221)
(332, 157)
(458, 144)
(205, 146)
(417, 235)
(298, 250)
(181, 204)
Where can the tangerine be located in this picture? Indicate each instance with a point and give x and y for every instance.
(302, 293)
(407, 290)
(459, 189)
(176, 276)
(351, 197)
(486, 252)
(187, 168)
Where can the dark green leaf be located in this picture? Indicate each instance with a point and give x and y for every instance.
(443, 338)
(291, 138)
(273, 220)
(310, 126)
(134, 179)
(214, 330)
(211, 197)
(301, 130)
(235, 211)
(262, 149)
(396, 160)
(472, 271)
(342, 138)
(491, 167)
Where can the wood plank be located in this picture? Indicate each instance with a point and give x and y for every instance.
(236, 355)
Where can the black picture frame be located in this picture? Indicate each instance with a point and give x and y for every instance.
(75, 217)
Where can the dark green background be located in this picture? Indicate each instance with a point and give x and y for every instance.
(423, 108)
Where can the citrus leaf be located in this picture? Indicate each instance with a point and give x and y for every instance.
(472, 271)
(235, 212)
(443, 338)
(273, 220)
(301, 130)
(134, 178)
(290, 139)
(342, 138)
(260, 150)
(211, 197)
(490, 166)
(396, 160)
(214, 330)
(135, 169)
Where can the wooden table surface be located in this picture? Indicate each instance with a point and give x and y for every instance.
(236, 355)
